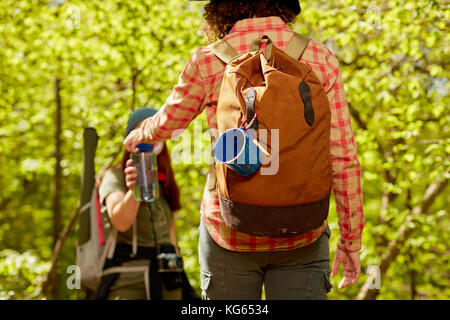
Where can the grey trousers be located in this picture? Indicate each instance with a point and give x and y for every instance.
(298, 274)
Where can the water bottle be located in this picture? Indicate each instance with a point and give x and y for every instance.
(146, 188)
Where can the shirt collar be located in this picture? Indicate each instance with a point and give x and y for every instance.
(258, 24)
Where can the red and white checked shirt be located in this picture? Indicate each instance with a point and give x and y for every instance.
(198, 89)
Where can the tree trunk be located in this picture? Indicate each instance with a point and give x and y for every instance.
(413, 284)
(56, 187)
(87, 185)
(133, 89)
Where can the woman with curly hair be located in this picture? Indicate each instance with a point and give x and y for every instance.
(234, 264)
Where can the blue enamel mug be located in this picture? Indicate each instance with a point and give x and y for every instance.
(235, 148)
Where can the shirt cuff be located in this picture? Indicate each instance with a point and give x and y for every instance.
(346, 245)
(145, 130)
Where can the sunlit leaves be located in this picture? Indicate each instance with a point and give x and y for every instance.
(395, 64)
(394, 59)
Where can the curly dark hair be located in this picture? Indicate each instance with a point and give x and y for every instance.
(221, 15)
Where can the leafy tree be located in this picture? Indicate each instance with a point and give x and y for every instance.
(21, 275)
(98, 60)
(395, 73)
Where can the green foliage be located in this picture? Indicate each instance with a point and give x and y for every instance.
(395, 67)
(120, 55)
(21, 275)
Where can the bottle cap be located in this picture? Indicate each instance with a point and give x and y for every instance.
(143, 147)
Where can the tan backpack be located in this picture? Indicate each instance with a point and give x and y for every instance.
(293, 112)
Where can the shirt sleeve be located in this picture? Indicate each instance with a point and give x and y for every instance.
(346, 172)
(181, 107)
(112, 181)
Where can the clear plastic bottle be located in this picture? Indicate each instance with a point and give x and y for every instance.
(146, 188)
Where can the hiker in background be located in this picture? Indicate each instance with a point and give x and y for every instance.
(236, 264)
(150, 225)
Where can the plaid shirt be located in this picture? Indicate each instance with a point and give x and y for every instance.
(198, 90)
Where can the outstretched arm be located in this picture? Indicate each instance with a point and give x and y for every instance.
(183, 105)
(346, 180)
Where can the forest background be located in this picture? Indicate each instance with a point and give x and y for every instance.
(68, 65)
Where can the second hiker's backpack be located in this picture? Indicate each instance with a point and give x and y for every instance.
(293, 110)
(93, 247)
(92, 254)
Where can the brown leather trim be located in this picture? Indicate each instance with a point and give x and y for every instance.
(305, 93)
(274, 222)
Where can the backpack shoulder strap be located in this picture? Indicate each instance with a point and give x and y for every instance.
(223, 50)
(135, 236)
(296, 46)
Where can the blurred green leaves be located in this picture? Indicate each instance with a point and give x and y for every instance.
(21, 275)
(121, 55)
